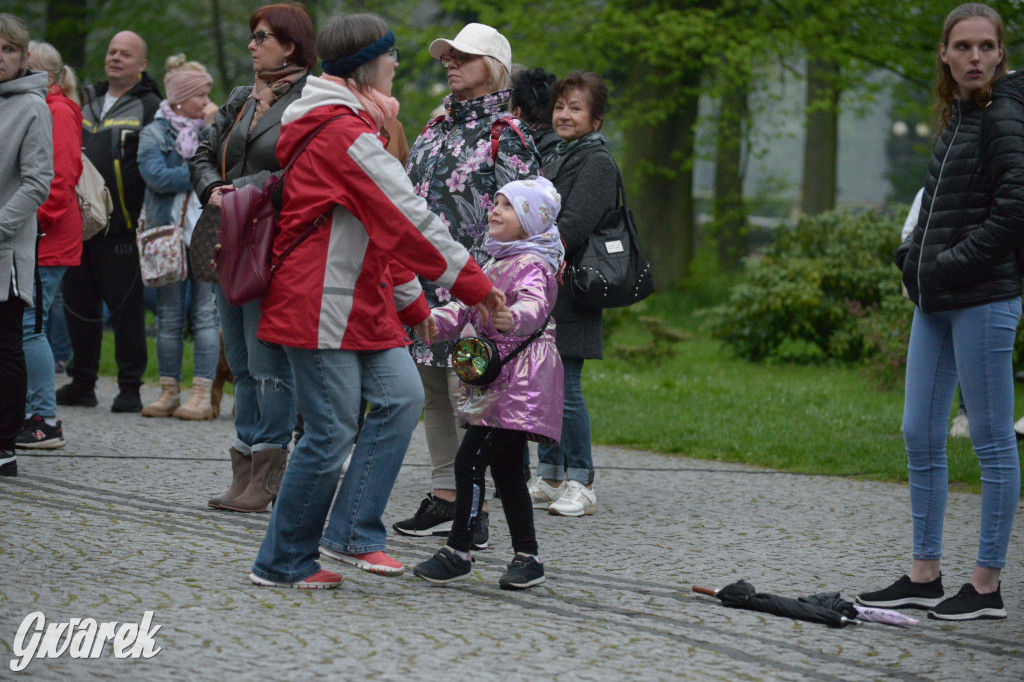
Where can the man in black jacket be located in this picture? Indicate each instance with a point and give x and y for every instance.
(114, 114)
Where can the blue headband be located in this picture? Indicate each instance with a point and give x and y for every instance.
(346, 65)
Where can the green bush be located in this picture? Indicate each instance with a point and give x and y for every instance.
(823, 290)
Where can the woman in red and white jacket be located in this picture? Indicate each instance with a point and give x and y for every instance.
(337, 304)
(60, 247)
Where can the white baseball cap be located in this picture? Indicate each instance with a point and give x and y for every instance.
(476, 39)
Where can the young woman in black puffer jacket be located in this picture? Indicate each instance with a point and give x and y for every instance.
(960, 270)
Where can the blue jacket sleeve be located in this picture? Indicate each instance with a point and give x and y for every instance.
(155, 163)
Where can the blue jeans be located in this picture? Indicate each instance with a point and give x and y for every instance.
(572, 457)
(976, 346)
(264, 390)
(170, 340)
(41, 398)
(332, 383)
(57, 330)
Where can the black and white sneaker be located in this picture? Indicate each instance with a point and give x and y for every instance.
(8, 463)
(905, 593)
(38, 435)
(523, 572)
(434, 517)
(444, 567)
(969, 605)
(481, 530)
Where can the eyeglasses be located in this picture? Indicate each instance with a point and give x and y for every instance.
(393, 53)
(456, 59)
(259, 36)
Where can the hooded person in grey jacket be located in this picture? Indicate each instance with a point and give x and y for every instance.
(26, 169)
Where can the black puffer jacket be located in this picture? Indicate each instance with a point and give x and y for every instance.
(962, 252)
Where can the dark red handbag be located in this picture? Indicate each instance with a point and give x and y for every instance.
(248, 228)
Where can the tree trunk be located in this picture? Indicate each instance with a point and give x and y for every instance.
(659, 161)
(822, 139)
(67, 27)
(216, 19)
(730, 215)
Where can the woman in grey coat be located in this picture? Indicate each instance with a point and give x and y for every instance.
(26, 169)
(239, 151)
(585, 175)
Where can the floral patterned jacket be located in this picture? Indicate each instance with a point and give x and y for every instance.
(451, 166)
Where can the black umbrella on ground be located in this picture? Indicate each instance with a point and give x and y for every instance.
(826, 608)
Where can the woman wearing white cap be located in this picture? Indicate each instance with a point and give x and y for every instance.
(457, 164)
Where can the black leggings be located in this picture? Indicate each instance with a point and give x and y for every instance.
(502, 450)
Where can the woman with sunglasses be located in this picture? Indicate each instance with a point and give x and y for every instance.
(239, 151)
(457, 164)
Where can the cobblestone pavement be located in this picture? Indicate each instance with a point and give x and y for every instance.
(116, 524)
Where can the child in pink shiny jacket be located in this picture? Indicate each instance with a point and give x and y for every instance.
(525, 401)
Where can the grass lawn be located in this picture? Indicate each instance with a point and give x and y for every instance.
(703, 403)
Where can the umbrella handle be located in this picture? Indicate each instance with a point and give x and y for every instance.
(704, 590)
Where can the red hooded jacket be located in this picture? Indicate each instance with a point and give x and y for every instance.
(351, 285)
(60, 219)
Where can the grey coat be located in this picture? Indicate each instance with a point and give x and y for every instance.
(587, 181)
(26, 169)
(251, 158)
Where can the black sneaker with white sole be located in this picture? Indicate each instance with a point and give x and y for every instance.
(905, 593)
(481, 530)
(444, 567)
(523, 572)
(38, 435)
(969, 605)
(434, 517)
(8, 463)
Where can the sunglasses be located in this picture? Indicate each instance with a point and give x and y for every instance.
(456, 59)
(259, 36)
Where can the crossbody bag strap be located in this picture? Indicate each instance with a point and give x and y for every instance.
(317, 222)
(529, 339)
(224, 150)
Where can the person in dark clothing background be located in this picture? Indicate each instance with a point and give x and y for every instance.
(531, 101)
(114, 114)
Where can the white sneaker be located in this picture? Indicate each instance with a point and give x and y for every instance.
(1019, 428)
(577, 500)
(960, 428)
(543, 494)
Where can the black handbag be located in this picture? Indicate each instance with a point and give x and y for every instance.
(610, 270)
(476, 360)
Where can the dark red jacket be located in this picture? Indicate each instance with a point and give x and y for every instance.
(60, 220)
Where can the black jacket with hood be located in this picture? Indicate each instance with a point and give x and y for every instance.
(963, 251)
(112, 143)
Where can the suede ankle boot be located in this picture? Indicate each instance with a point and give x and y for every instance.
(267, 471)
(197, 407)
(241, 472)
(169, 400)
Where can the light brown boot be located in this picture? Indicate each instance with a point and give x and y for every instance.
(169, 400)
(197, 407)
(267, 471)
(241, 470)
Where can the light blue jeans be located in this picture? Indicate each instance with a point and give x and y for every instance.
(41, 398)
(572, 457)
(976, 346)
(264, 390)
(332, 382)
(170, 339)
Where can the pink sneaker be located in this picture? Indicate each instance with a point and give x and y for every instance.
(371, 562)
(321, 580)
